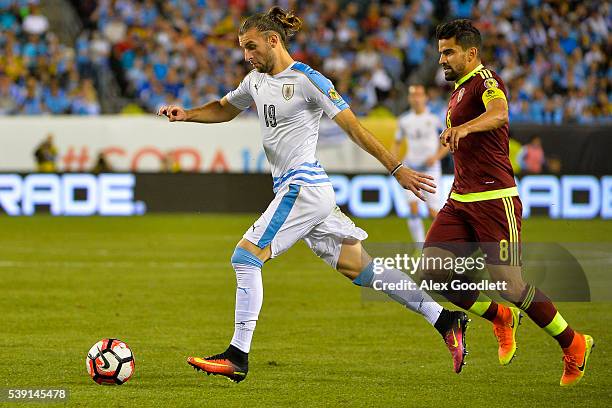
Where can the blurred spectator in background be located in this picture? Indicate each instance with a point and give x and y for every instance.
(102, 165)
(55, 99)
(38, 74)
(170, 163)
(31, 102)
(531, 156)
(34, 22)
(45, 155)
(85, 99)
(8, 93)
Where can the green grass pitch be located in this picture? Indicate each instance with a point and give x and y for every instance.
(164, 285)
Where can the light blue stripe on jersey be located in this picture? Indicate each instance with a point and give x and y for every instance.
(311, 165)
(312, 181)
(280, 215)
(321, 82)
(292, 173)
(309, 173)
(304, 180)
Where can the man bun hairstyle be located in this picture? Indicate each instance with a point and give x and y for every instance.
(464, 32)
(282, 22)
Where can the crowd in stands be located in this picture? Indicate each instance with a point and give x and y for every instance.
(38, 74)
(552, 55)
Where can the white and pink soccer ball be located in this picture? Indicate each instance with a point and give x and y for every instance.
(110, 362)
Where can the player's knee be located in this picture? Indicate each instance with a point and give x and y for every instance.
(247, 249)
(433, 274)
(434, 265)
(511, 289)
(241, 256)
(509, 279)
(431, 270)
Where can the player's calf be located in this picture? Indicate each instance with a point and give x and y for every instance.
(510, 279)
(233, 362)
(402, 289)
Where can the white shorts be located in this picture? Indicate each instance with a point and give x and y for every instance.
(434, 201)
(304, 212)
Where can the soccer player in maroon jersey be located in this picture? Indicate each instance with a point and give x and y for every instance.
(484, 208)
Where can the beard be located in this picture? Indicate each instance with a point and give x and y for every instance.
(453, 74)
(267, 65)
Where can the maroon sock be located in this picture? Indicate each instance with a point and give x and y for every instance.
(462, 298)
(491, 312)
(542, 311)
(465, 299)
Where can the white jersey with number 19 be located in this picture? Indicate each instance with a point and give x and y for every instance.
(289, 106)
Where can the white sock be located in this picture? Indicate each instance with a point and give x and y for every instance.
(416, 300)
(417, 230)
(249, 297)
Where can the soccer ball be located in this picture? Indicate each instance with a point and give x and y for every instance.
(110, 362)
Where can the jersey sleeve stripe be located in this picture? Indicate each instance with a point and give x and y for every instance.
(319, 83)
(322, 83)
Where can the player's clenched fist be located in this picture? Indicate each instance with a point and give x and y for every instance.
(451, 136)
(172, 112)
(415, 181)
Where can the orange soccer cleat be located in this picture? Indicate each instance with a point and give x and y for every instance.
(221, 364)
(505, 325)
(575, 359)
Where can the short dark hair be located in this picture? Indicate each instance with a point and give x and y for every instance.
(464, 32)
(285, 23)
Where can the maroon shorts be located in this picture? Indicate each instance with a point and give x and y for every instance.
(494, 226)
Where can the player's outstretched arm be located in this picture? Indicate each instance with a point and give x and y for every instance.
(495, 116)
(212, 112)
(395, 149)
(407, 178)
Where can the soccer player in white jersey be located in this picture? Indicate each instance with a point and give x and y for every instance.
(421, 129)
(290, 98)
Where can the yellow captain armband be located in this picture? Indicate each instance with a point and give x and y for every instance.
(492, 93)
